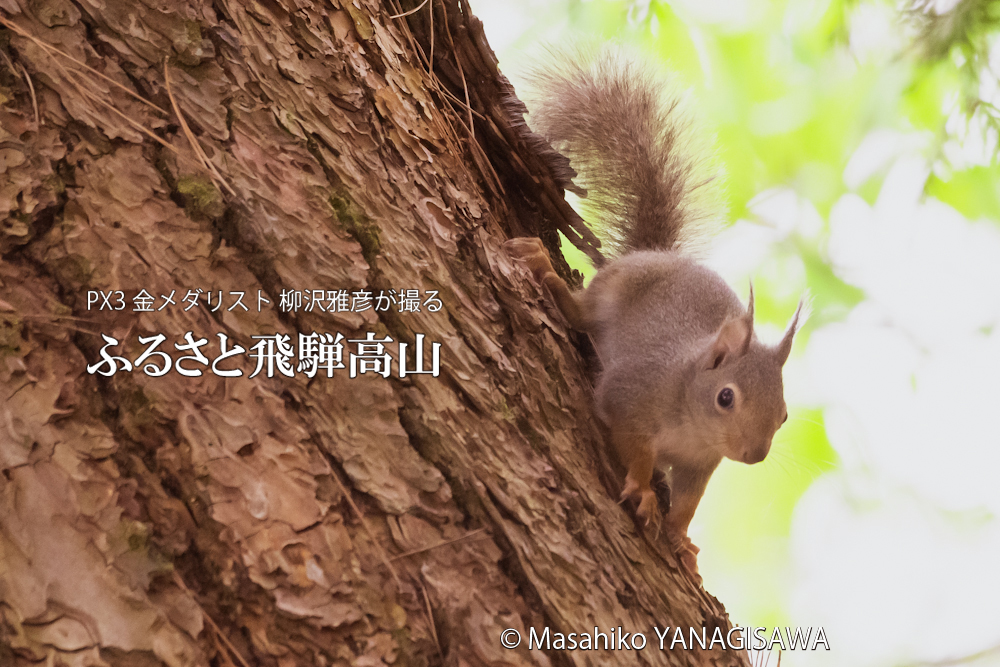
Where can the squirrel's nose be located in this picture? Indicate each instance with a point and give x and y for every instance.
(756, 454)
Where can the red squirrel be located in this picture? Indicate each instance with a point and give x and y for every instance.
(685, 381)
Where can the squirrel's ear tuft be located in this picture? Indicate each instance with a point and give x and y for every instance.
(732, 340)
(749, 315)
(798, 319)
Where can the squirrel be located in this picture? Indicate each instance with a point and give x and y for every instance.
(685, 381)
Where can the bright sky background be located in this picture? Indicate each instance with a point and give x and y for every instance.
(877, 514)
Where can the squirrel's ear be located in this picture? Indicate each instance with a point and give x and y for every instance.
(749, 315)
(785, 346)
(733, 340)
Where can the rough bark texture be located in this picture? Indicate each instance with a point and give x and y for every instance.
(185, 521)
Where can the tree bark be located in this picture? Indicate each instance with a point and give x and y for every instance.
(205, 520)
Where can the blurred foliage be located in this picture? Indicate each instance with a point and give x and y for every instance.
(966, 27)
(791, 90)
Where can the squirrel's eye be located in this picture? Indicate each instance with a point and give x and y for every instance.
(726, 398)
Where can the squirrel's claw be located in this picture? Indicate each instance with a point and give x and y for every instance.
(645, 497)
(523, 245)
(647, 505)
(631, 488)
(532, 253)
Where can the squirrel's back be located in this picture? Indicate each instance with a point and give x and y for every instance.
(616, 120)
(665, 304)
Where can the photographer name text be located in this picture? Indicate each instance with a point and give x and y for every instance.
(671, 639)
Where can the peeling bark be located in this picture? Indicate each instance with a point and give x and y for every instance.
(283, 521)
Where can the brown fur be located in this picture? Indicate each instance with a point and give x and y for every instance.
(622, 129)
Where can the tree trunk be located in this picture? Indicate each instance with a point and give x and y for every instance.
(184, 519)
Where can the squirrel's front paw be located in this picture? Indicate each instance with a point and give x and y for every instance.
(532, 253)
(645, 497)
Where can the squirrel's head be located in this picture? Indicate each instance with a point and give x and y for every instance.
(736, 393)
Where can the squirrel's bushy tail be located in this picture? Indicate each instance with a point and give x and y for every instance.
(616, 120)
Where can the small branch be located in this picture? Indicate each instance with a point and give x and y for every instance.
(439, 544)
(195, 146)
(430, 619)
(412, 11)
(34, 100)
(51, 49)
(215, 628)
